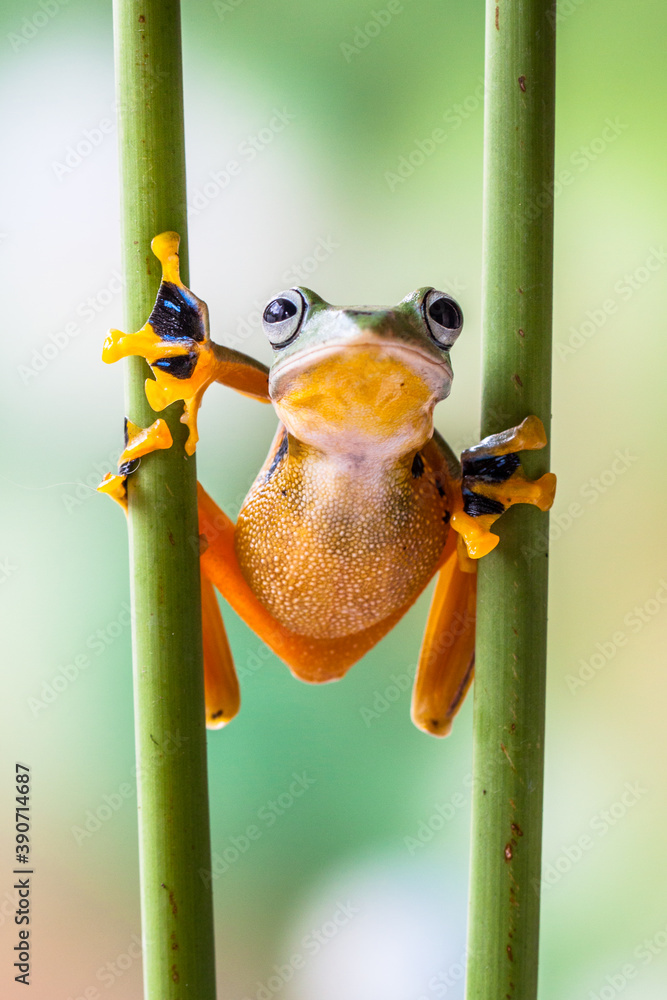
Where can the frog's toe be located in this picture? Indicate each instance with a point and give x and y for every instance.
(139, 441)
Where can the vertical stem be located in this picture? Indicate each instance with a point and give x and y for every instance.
(174, 838)
(508, 747)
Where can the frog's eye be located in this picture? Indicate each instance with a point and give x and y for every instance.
(443, 318)
(282, 318)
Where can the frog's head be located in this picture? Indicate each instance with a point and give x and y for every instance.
(358, 379)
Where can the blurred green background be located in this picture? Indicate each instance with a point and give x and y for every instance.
(363, 877)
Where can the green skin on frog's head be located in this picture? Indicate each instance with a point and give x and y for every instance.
(360, 380)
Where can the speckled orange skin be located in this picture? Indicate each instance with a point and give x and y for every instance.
(332, 547)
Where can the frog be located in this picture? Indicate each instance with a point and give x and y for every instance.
(360, 503)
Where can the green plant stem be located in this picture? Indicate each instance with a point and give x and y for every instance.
(174, 838)
(508, 747)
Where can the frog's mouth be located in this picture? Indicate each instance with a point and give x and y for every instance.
(362, 356)
(371, 393)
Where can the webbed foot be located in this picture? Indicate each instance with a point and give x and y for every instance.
(176, 343)
(493, 481)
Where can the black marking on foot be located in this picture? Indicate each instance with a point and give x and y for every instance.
(417, 466)
(440, 488)
(491, 468)
(446, 517)
(278, 457)
(127, 468)
(180, 366)
(476, 505)
(216, 715)
(176, 314)
(126, 436)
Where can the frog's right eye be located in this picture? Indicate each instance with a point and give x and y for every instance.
(444, 318)
(282, 318)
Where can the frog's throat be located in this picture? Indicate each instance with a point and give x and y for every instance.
(361, 403)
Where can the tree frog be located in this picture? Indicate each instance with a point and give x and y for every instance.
(360, 502)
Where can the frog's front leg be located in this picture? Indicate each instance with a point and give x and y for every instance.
(176, 343)
(493, 481)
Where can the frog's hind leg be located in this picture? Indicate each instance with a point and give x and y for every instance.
(221, 686)
(493, 481)
(446, 660)
(176, 343)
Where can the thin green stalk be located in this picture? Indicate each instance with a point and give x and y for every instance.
(508, 749)
(174, 838)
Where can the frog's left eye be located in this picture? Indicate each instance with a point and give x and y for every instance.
(443, 318)
(282, 318)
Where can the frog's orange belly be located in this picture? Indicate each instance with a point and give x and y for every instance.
(332, 577)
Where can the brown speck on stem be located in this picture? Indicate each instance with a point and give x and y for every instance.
(522, 84)
(517, 829)
(172, 899)
(517, 381)
(174, 974)
(508, 852)
(142, 19)
(509, 953)
(497, 18)
(171, 539)
(521, 333)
